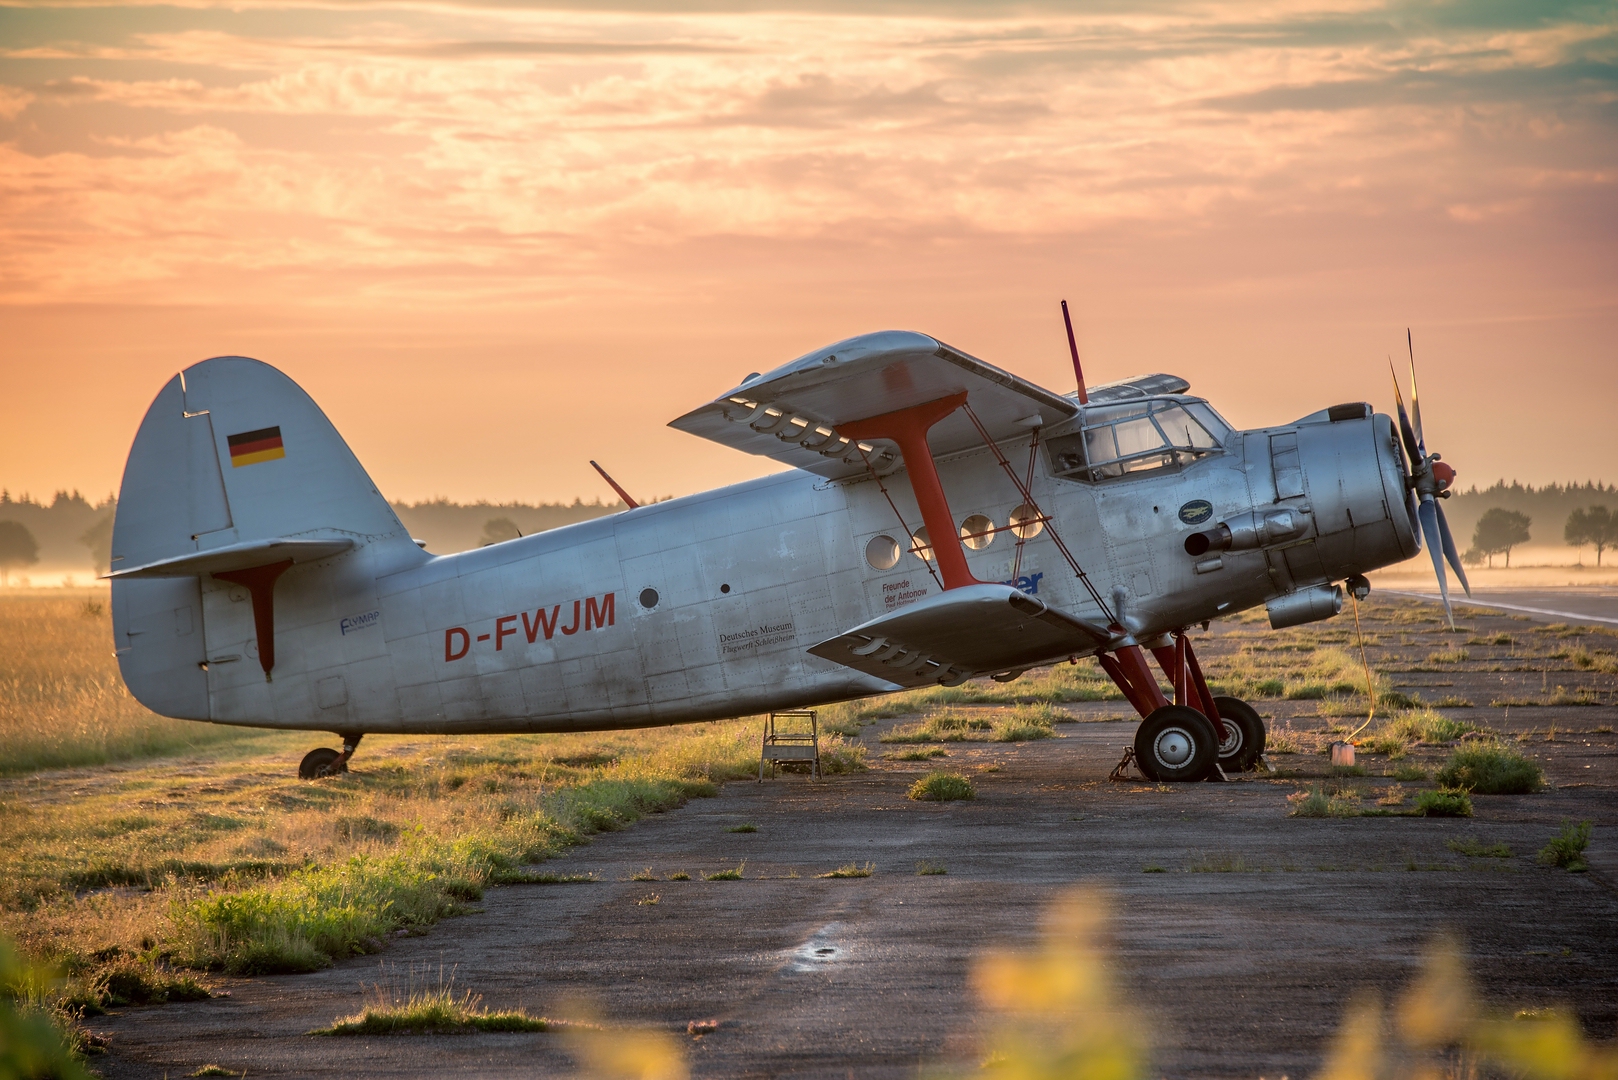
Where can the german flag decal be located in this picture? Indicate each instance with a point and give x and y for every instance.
(252, 447)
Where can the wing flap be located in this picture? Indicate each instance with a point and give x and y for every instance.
(791, 414)
(977, 630)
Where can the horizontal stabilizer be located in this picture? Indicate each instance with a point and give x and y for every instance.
(791, 414)
(239, 557)
(976, 630)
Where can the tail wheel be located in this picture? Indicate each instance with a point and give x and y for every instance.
(1176, 743)
(318, 763)
(1244, 735)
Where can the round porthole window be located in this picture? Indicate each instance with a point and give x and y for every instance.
(882, 552)
(648, 598)
(977, 532)
(923, 545)
(1026, 523)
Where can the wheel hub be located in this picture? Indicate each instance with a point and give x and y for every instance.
(1174, 747)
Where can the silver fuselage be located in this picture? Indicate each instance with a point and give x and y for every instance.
(704, 607)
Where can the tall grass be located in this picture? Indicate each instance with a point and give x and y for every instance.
(62, 701)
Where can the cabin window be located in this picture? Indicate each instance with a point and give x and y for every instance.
(1117, 440)
(977, 532)
(1026, 522)
(922, 545)
(882, 552)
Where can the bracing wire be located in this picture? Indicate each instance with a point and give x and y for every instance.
(915, 549)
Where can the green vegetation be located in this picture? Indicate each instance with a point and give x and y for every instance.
(1475, 848)
(1318, 802)
(438, 1011)
(1498, 531)
(1449, 656)
(679, 875)
(1409, 772)
(1064, 682)
(1396, 735)
(850, 870)
(63, 702)
(644, 875)
(213, 1070)
(1020, 724)
(745, 828)
(1566, 849)
(733, 874)
(33, 1039)
(928, 868)
(942, 787)
(1593, 525)
(927, 754)
(1444, 802)
(1491, 769)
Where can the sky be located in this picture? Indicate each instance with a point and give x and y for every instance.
(495, 239)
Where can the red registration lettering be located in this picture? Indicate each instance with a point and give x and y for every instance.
(574, 629)
(501, 632)
(595, 618)
(541, 622)
(449, 643)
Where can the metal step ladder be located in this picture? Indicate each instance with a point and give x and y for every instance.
(792, 744)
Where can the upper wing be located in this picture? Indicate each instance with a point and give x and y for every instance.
(791, 414)
(950, 637)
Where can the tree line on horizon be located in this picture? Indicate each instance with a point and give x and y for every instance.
(72, 531)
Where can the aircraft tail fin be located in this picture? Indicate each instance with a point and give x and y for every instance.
(233, 467)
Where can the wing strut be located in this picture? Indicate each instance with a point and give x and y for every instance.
(1028, 497)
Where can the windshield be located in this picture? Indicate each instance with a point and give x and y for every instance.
(1120, 439)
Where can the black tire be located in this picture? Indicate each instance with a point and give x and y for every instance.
(318, 763)
(1241, 751)
(1176, 744)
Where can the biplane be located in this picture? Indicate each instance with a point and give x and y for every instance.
(942, 520)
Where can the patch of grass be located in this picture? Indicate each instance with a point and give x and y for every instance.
(438, 1011)
(644, 875)
(1487, 769)
(1398, 733)
(1222, 864)
(839, 757)
(1393, 796)
(928, 754)
(744, 828)
(1449, 656)
(1409, 772)
(63, 702)
(1153, 870)
(942, 787)
(1020, 724)
(1580, 695)
(1474, 848)
(1317, 802)
(929, 868)
(679, 875)
(733, 874)
(213, 1070)
(1566, 849)
(648, 900)
(1453, 701)
(850, 870)
(1347, 770)
(520, 878)
(1444, 802)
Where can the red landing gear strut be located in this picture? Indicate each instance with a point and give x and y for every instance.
(1180, 740)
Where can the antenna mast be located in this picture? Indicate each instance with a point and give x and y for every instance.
(1072, 347)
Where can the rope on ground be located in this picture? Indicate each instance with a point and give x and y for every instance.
(1370, 683)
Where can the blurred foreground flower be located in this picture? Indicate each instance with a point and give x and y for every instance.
(627, 1054)
(1056, 1011)
(1444, 1030)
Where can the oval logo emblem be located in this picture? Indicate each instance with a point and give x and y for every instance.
(1196, 512)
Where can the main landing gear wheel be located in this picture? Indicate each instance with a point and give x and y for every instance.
(321, 762)
(1244, 735)
(1176, 743)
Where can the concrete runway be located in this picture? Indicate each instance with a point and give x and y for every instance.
(1590, 603)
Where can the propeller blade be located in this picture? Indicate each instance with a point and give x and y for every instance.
(1406, 432)
(1429, 525)
(1450, 553)
(1415, 397)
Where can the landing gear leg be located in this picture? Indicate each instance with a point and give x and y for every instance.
(326, 762)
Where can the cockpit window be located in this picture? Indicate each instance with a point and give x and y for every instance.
(1120, 439)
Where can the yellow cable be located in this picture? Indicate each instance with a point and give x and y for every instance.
(1370, 684)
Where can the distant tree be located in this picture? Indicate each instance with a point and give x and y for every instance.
(498, 530)
(17, 548)
(98, 538)
(1499, 531)
(1596, 526)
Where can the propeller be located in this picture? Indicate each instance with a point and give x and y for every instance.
(1428, 481)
